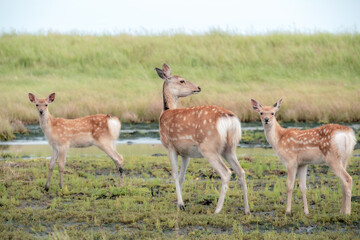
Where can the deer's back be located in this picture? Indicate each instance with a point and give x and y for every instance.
(186, 128)
(79, 132)
(311, 145)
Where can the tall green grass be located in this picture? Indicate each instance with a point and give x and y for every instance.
(318, 76)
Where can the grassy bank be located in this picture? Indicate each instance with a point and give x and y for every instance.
(91, 206)
(316, 75)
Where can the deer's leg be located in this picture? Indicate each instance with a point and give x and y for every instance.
(224, 172)
(119, 165)
(110, 149)
(346, 184)
(62, 159)
(184, 164)
(121, 169)
(175, 174)
(54, 157)
(290, 185)
(231, 158)
(343, 198)
(343, 188)
(302, 171)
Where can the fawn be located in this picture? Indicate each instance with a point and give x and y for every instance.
(204, 131)
(99, 130)
(331, 144)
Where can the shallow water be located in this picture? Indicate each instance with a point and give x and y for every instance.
(148, 133)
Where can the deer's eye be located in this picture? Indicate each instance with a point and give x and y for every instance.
(272, 113)
(37, 105)
(261, 113)
(46, 106)
(182, 81)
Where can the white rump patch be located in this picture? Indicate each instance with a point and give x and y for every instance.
(229, 128)
(345, 142)
(114, 127)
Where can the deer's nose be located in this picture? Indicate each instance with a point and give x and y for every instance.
(199, 89)
(41, 112)
(266, 120)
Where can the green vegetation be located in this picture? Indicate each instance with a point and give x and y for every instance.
(318, 76)
(92, 206)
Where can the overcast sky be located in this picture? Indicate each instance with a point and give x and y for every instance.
(189, 16)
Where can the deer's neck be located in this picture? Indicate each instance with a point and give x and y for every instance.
(170, 101)
(45, 122)
(273, 133)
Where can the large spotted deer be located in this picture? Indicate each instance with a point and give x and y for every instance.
(99, 130)
(204, 131)
(331, 144)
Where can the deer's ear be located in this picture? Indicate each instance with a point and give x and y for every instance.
(160, 73)
(166, 70)
(32, 98)
(256, 106)
(277, 105)
(51, 98)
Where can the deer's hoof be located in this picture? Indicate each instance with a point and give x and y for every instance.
(182, 207)
(345, 212)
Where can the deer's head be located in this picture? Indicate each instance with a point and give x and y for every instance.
(267, 113)
(42, 103)
(177, 86)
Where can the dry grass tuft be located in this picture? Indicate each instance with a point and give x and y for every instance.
(18, 126)
(129, 117)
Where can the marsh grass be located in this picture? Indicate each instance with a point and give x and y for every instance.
(92, 206)
(6, 131)
(316, 75)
